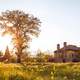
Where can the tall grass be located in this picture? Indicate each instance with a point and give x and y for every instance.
(49, 71)
(67, 71)
(28, 72)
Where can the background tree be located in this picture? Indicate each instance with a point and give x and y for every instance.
(22, 27)
(40, 56)
(1, 54)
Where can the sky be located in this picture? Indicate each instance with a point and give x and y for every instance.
(60, 21)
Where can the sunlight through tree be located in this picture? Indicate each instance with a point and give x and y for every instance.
(22, 27)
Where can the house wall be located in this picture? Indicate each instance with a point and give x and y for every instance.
(68, 56)
(58, 57)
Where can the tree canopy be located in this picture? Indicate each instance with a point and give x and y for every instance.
(21, 26)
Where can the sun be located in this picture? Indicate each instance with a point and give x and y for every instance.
(5, 41)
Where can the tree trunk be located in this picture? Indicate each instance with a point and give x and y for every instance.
(18, 59)
(19, 53)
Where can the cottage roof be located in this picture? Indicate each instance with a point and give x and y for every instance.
(68, 47)
(72, 47)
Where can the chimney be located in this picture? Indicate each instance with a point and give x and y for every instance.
(65, 44)
(58, 46)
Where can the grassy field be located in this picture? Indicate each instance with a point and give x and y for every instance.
(48, 71)
(67, 71)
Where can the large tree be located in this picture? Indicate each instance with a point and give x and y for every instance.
(22, 27)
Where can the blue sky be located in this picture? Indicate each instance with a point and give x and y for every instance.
(60, 20)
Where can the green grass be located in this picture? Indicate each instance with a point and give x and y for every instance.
(48, 71)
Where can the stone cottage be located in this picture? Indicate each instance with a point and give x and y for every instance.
(68, 53)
